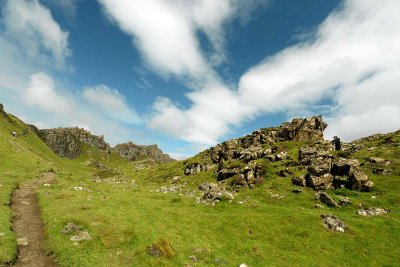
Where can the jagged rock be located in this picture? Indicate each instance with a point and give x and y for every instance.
(301, 181)
(133, 152)
(196, 168)
(333, 223)
(310, 129)
(320, 182)
(327, 199)
(318, 206)
(345, 166)
(372, 212)
(213, 194)
(66, 142)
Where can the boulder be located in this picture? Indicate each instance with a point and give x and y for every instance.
(360, 181)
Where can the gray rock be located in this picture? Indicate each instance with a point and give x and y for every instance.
(372, 212)
(333, 223)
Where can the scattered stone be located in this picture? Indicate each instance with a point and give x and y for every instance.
(78, 188)
(25, 202)
(344, 201)
(276, 196)
(81, 236)
(243, 265)
(333, 223)
(46, 185)
(175, 179)
(318, 206)
(193, 258)
(381, 171)
(161, 248)
(328, 200)
(297, 191)
(300, 181)
(373, 197)
(22, 242)
(372, 212)
(70, 228)
(200, 250)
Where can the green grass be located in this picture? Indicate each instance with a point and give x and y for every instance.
(255, 228)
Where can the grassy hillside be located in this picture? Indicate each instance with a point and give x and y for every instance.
(124, 209)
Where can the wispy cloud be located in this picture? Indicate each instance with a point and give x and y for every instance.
(359, 38)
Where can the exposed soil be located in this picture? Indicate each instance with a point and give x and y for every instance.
(28, 225)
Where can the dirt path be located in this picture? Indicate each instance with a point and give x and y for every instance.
(28, 225)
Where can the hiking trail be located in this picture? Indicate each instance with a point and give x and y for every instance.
(27, 224)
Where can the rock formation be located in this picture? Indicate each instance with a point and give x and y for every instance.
(132, 152)
(66, 142)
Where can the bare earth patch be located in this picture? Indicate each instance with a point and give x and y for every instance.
(28, 225)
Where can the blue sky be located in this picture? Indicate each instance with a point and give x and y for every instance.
(187, 74)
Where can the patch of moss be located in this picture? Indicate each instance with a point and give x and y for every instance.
(161, 248)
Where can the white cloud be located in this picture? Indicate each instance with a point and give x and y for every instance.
(32, 26)
(111, 102)
(165, 32)
(41, 93)
(359, 39)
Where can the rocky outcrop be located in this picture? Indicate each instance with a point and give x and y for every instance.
(251, 146)
(66, 142)
(194, 168)
(133, 152)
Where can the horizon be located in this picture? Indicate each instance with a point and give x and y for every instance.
(203, 71)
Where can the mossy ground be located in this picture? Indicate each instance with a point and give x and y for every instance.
(256, 229)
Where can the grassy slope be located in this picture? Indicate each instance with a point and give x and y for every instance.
(21, 158)
(262, 231)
